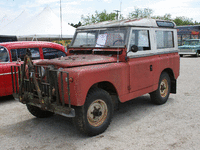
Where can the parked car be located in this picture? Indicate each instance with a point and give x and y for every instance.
(107, 63)
(190, 47)
(12, 53)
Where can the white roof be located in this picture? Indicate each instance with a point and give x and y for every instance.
(44, 25)
(135, 22)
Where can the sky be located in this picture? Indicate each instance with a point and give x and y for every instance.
(73, 9)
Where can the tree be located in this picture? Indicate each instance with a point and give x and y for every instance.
(98, 17)
(76, 25)
(140, 13)
(183, 21)
(165, 17)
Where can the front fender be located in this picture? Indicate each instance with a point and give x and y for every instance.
(84, 77)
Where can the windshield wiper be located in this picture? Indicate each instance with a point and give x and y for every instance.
(85, 45)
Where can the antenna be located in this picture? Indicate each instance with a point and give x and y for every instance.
(117, 13)
(120, 10)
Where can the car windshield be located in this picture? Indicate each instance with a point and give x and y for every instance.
(4, 56)
(101, 38)
(192, 42)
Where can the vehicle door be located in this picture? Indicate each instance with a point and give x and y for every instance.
(140, 61)
(5, 72)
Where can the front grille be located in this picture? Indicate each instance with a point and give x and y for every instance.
(48, 90)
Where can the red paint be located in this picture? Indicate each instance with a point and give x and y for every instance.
(88, 70)
(5, 68)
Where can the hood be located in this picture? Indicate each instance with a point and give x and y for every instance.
(78, 60)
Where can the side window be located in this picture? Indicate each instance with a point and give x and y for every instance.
(4, 56)
(14, 54)
(140, 38)
(164, 39)
(20, 53)
(50, 53)
(35, 53)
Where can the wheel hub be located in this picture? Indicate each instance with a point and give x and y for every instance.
(164, 88)
(97, 113)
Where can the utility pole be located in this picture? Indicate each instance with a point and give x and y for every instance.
(117, 13)
(60, 21)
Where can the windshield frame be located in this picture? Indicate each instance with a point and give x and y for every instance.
(98, 32)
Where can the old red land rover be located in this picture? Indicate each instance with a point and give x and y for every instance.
(108, 62)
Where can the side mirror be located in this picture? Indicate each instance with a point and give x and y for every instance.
(134, 48)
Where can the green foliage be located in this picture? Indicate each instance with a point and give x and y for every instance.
(76, 25)
(183, 21)
(165, 17)
(140, 13)
(137, 13)
(98, 17)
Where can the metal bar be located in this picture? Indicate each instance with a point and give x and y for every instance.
(62, 90)
(22, 79)
(68, 88)
(47, 80)
(12, 79)
(56, 88)
(15, 79)
(19, 76)
(50, 90)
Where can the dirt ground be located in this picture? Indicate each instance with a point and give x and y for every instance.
(137, 125)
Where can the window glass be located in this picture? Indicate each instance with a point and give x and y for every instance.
(164, 39)
(50, 53)
(101, 38)
(4, 56)
(20, 53)
(140, 38)
(85, 39)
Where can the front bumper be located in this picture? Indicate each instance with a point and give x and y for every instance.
(46, 92)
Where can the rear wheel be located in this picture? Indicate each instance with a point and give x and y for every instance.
(95, 115)
(39, 113)
(160, 96)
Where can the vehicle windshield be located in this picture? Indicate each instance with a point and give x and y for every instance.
(101, 38)
(192, 42)
(4, 56)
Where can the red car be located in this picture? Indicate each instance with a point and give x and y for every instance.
(12, 53)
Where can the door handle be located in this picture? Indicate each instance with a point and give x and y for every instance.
(151, 68)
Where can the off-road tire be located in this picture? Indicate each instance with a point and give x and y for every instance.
(160, 96)
(97, 99)
(39, 113)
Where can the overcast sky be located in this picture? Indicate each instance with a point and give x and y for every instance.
(73, 9)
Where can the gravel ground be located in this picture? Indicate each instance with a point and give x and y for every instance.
(138, 124)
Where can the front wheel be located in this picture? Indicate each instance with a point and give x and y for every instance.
(160, 96)
(95, 115)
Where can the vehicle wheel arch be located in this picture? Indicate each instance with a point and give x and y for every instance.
(110, 88)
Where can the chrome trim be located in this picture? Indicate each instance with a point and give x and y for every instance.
(150, 53)
(6, 73)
